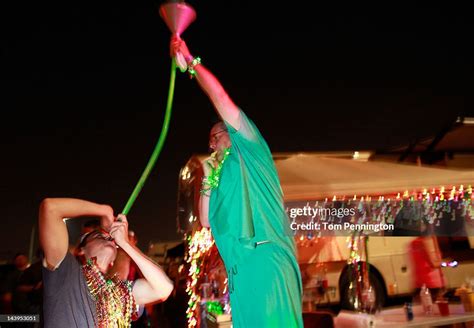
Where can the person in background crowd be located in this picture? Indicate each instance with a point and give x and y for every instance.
(426, 259)
(28, 295)
(20, 263)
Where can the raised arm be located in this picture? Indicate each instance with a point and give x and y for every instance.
(224, 105)
(155, 286)
(52, 227)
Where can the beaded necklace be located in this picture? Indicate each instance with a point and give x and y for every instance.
(212, 180)
(115, 304)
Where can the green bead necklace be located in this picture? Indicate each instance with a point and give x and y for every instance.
(212, 180)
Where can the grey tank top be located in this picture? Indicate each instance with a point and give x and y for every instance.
(67, 300)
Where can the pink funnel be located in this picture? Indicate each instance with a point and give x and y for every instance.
(177, 15)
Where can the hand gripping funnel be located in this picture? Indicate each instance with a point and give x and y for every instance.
(178, 16)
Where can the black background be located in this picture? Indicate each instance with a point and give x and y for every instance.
(84, 87)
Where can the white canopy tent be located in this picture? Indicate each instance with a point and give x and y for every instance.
(311, 177)
(306, 177)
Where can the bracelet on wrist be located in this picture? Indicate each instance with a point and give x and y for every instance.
(196, 61)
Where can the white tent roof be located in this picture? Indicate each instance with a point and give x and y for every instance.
(309, 176)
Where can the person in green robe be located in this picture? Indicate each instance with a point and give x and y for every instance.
(242, 202)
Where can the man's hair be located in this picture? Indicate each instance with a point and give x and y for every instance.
(220, 124)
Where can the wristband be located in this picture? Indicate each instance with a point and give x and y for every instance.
(196, 61)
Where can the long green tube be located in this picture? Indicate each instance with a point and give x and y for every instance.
(159, 144)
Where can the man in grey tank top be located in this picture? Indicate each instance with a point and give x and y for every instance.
(77, 291)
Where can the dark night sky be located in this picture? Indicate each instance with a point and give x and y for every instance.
(84, 86)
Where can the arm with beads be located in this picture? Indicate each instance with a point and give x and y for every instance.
(224, 105)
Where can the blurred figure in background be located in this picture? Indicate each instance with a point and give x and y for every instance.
(20, 263)
(426, 260)
(28, 295)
